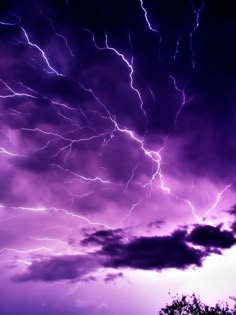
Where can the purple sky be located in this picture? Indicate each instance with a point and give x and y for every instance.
(117, 155)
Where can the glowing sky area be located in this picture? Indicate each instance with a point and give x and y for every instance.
(117, 155)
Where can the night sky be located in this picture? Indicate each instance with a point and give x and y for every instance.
(117, 155)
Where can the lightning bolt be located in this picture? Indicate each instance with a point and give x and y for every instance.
(197, 13)
(131, 177)
(218, 199)
(43, 54)
(60, 137)
(5, 151)
(183, 102)
(211, 208)
(94, 179)
(176, 49)
(25, 262)
(17, 94)
(61, 36)
(196, 216)
(67, 142)
(45, 209)
(48, 239)
(135, 205)
(26, 251)
(151, 28)
(129, 64)
(152, 94)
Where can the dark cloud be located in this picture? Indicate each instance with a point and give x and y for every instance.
(233, 210)
(111, 277)
(160, 252)
(59, 268)
(153, 253)
(89, 278)
(34, 163)
(118, 250)
(211, 236)
(233, 226)
(103, 237)
(150, 253)
(156, 224)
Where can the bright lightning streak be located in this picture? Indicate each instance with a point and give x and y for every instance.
(135, 205)
(94, 179)
(32, 209)
(214, 205)
(125, 60)
(46, 239)
(13, 92)
(151, 154)
(66, 147)
(131, 177)
(176, 49)
(25, 208)
(218, 198)
(146, 18)
(4, 151)
(34, 45)
(25, 262)
(197, 13)
(58, 34)
(27, 251)
(152, 94)
(41, 51)
(17, 94)
(197, 217)
(183, 97)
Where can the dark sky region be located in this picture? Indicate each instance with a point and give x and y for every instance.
(117, 154)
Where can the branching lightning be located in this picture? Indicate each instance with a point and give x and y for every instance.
(125, 60)
(64, 142)
(34, 45)
(50, 209)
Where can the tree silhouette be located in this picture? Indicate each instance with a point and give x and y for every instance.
(191, 305)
